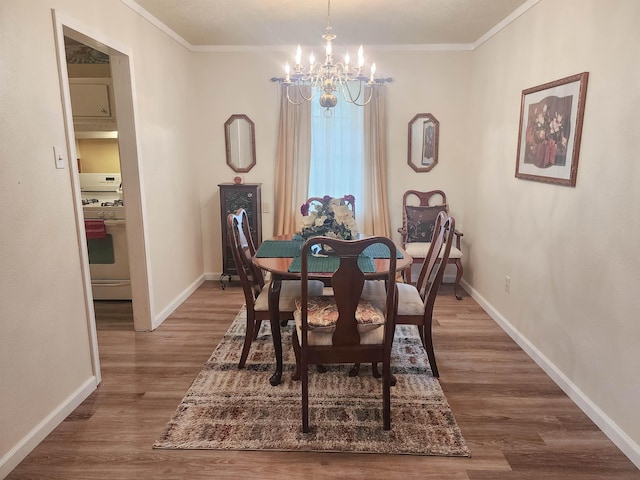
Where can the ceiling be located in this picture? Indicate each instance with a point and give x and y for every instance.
(277, 23)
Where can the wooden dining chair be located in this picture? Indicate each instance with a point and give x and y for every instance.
(344, 328)
(417, 228)
(415, 303)
(256, 290)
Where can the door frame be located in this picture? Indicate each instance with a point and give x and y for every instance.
(131, 170)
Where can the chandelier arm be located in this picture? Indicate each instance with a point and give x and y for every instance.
(300, 93)
(345, 86)
(355, 101)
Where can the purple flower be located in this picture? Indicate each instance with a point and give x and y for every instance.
(326, 198)
(350, 199)
(304, 209)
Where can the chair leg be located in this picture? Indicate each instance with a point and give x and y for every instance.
(427, 342)
(355, 370)
(248, 338)
(256, 328)
(296, 350)
(305, 395)
(407, 274)
(456, 285)
(386, 394)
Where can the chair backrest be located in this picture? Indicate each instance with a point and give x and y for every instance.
(435, 263)
(243, 250)
(419, 211)
(348, 200)
(348, 283)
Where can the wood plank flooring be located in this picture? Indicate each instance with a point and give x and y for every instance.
(518, 424)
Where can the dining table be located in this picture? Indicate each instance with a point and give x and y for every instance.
(280, 256)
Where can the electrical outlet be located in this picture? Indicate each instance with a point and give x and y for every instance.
(507, 283)
(57, 155)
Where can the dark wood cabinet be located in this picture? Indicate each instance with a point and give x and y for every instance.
(232, 197)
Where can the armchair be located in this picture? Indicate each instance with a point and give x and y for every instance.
(418, 223)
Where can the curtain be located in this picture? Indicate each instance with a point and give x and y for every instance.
(293, 154)
(376, 211)
(337, 153)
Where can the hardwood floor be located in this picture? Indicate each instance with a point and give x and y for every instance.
(518, 424)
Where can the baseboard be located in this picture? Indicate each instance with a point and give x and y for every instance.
(212, 275)
(600, 418)
(169, 309)
(14, 456)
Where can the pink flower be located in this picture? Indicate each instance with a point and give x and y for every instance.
(304, 209)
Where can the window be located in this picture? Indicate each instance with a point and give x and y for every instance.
(337, 151)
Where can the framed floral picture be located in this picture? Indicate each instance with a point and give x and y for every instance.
(550, 130)
(423, 142)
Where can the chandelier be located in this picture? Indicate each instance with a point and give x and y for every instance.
(330, 77)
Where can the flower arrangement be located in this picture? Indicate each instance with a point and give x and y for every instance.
(331, 217)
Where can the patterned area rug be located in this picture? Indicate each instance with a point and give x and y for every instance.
(230, 409)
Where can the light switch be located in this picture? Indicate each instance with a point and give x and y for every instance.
(57, 155)
(265, 207)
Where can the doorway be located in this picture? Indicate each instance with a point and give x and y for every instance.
(119, 60)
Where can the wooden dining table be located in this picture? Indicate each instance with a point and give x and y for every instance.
(277, 255)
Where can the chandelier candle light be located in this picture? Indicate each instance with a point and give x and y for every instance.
(329, 76)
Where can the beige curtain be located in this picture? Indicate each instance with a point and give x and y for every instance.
(293, 156)
(376, 212)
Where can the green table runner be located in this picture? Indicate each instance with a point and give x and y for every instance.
(330, 264)
(279, 249)
(291, 248)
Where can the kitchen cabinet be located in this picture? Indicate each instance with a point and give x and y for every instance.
(232, 197)
(91, 100)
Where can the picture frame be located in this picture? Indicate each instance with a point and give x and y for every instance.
(550, 131)
(424, 133)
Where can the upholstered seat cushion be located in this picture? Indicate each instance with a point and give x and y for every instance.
(409, 301)
(322, 314)
(289, 292)
(314, 337)
(420, 250)
(375, 292)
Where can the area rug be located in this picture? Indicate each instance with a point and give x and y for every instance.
(230, 409)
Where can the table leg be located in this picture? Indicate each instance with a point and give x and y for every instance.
(274, 319)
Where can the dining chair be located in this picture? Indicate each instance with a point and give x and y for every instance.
(417, 228)
(256, 290)
(415, 303)
(345, 328)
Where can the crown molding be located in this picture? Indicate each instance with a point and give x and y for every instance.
(440, 47)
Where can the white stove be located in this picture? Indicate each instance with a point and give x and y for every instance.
(102, 196)
(105, 224)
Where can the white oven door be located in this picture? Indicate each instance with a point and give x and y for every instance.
(109, 263)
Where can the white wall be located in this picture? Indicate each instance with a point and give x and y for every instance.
(570, 252)
(45, 362)
(439, 84)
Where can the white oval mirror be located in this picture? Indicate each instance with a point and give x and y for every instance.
(240, 141)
